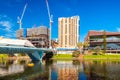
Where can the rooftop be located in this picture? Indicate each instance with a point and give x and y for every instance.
(94, 33)
(100, 33)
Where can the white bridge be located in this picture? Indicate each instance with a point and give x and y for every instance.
(13, 46)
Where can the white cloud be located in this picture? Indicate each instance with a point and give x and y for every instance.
(118, 29)
(10, 35)
(6, 24)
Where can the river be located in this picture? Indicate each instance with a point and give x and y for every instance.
(60, 70)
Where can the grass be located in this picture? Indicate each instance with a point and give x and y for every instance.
(3, 56)
(113, 56)
(62, 56)
(87, 57)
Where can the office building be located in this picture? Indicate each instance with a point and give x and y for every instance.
(68, 31)
(96, 38)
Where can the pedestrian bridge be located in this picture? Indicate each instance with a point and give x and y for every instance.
(34, 53)
(15, 46)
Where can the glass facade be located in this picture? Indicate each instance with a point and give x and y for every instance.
(96, 38)
(112, 42)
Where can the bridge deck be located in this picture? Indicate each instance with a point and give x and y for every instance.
(16, 49)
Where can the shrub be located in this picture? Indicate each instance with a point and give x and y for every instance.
(94, 53)
(75, 54)
(97, 50)
(48, 55)
(101, 52)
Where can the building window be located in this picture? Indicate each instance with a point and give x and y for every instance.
(65, 28)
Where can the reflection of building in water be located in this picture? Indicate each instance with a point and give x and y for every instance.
(14, 68)
(102, 70)
(65, 71)
(2, 71)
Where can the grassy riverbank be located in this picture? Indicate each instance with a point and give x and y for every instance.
(3, 56)
(86, 57)
(112, 56)
(62, 56)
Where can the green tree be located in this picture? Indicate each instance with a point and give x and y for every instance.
(104, 42)
(97, 49)
(85, 44)
(75, 54)
(80, 46)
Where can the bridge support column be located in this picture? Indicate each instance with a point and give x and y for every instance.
(36, 56)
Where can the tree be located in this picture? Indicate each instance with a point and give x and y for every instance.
(97, 49)
(104, 42)
(80, 45)
(75, 54)
(85, 44)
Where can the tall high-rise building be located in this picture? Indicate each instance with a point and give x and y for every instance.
(68, 34)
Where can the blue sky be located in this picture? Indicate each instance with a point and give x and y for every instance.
(94, 15)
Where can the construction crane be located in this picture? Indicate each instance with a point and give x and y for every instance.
(50, 23)
(20, 18)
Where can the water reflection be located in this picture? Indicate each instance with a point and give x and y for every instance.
(21, 71)
(60, 70)
(103, 70)
(53, 72)
(13, 68)
(67, 70)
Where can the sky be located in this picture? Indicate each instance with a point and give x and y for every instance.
(94, 15)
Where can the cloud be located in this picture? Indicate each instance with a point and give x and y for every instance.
(6, 27)
(6, 24)
(4, 17)
(10, 35)
(118, 29)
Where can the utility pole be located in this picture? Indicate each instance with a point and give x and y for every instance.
(50, 23)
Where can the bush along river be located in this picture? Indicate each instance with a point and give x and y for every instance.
(60, 70)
